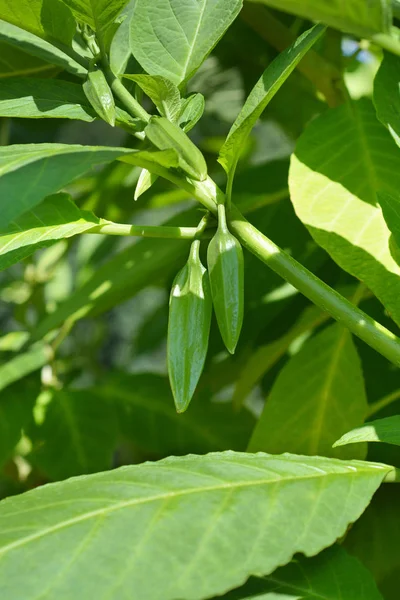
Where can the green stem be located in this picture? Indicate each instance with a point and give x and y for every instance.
(131, 105)
(383, 403)
(168, 232)
(358, 322)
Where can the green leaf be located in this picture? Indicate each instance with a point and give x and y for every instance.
(16, 408)
(341, 160)
(390, 206)
(332, 575)
(266, 356)
(315, 397)
(353, 16)
(29, 43)
(387, 94)
(77, 434)
(13, 341)
(177, 511)
(29, 172)
(172, 38)
(24, 364)
(192, 109)
(100, 15)
(37, 98)
(150, 421)
(162, 92)
(374, 540)
(15, 63)
(382, 430)
(264, 90)
(55, 218)
(144, 183)
(48, 19)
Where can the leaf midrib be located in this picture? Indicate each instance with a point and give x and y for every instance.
(174, 494)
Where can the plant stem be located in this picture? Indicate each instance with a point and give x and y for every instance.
(383, 403)
(184, 233)
(131, 105)
(358, 322)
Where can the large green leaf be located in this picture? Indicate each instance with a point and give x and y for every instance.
(57, 217)
(28, 43)
(317, 394)
(172, 37)
(100, 15)
(187, 527)
(374, 539)
(49, 19)
(332, 575)
(382, 430)
(265, 89)
(77, 434)
(29, 172)
(38, 98)
(353, 16)
(149, 418)
(15, 63)
(342, 159)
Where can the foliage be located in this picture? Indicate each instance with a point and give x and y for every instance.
(169, 369)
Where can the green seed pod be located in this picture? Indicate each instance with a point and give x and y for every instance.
(166, 136)
(100, 96)
(226, 268)
(190, 310)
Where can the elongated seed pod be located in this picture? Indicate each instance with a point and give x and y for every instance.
(226, 269)
(190, 310)
(100, 96)
(166, 136)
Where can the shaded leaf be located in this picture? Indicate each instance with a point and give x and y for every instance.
(272, 79)
(29, 172)
(332, 575)
(382, 430)
(16, 406)
(36, 46)
(77, 434)
(387, 94)
(391, 211)
(15, 63)
(374, 540)
(49, 19)
(180, 504)
(342, 159)
(172, 38)
(55, 218)
(150, 421)
(38, 98)
(317, 394)
(25, 363)
(353, 16)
